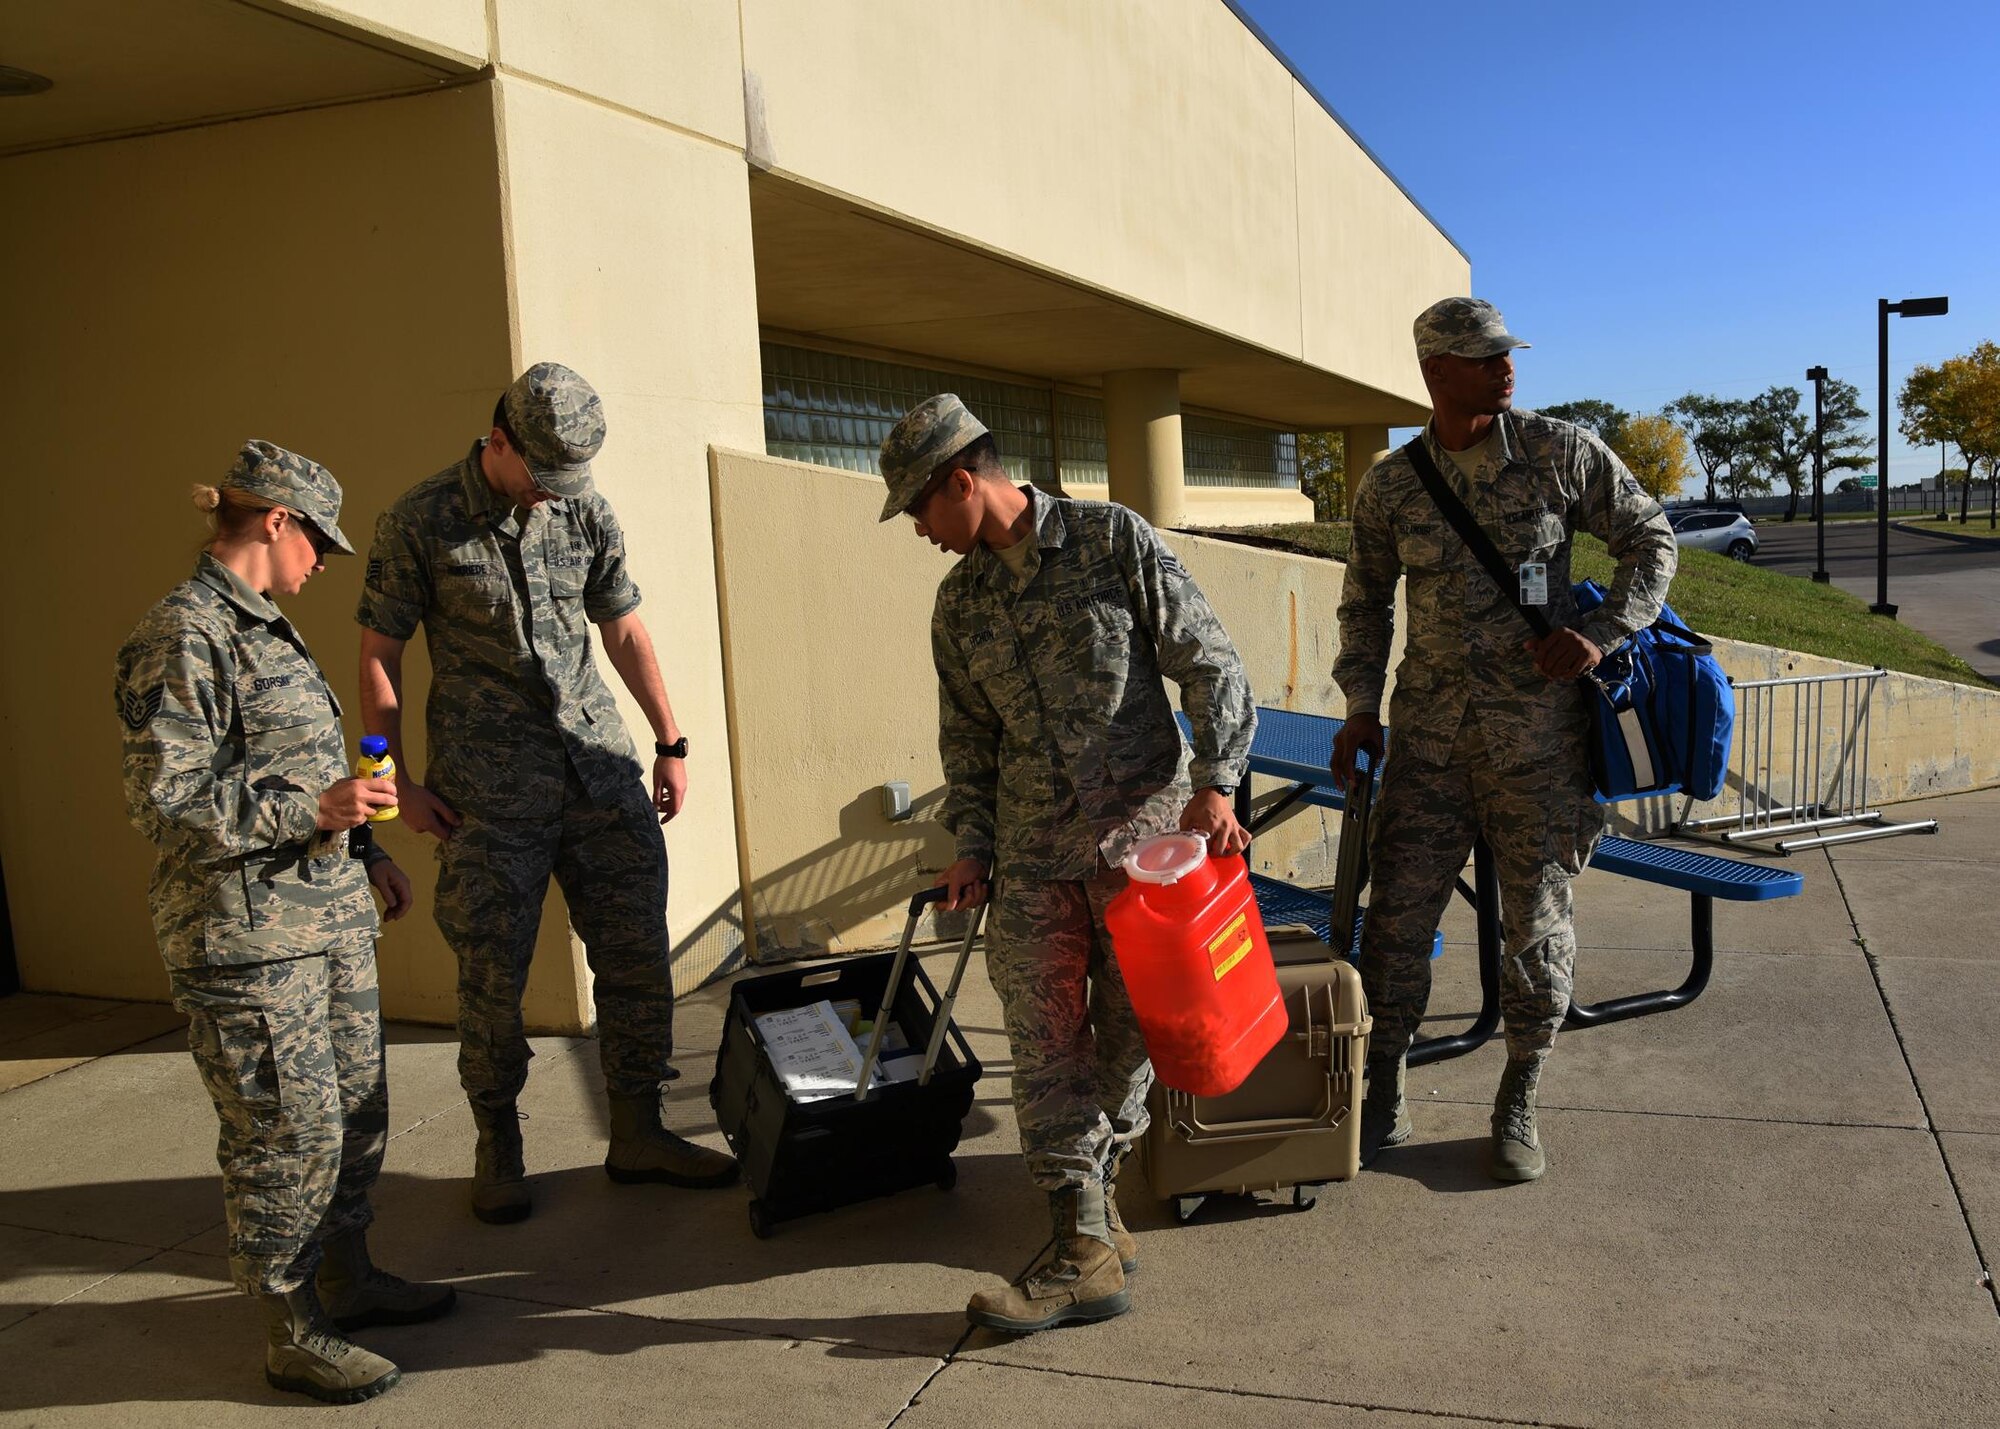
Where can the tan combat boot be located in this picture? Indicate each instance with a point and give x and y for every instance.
(357, 1293)
(499, 1174)
(1517, 1145)
(1385, 1113)
(1078, 1279)
(1121, 1239)
(303, 1355)
(643, 1150)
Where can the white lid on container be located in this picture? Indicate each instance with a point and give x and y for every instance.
(1166, 858)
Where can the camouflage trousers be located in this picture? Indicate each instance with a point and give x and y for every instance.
(493, 877)
(1080, 1068)
(291, 1053)
(1538, 817)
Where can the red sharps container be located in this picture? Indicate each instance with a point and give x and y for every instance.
(1192, 950)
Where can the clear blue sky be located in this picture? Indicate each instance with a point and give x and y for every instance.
(1703, 196)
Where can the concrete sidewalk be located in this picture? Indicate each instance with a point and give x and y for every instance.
(1766, 1208)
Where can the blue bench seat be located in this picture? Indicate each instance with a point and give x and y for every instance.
(1281, 904)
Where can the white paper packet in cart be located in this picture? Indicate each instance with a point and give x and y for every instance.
(812, 1052)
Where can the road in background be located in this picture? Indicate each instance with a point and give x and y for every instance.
(1949, 590)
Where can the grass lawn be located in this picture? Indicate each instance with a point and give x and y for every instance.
(1716, 596)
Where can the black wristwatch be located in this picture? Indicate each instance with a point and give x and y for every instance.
(1227, 791)
(677, 750)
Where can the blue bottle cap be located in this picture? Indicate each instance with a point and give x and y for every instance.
(374, 745)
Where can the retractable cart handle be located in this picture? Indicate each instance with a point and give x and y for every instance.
(942, 1023)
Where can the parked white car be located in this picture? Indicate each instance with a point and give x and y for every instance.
(1729, 532)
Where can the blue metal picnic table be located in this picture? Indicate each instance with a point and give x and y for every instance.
(1297, 748)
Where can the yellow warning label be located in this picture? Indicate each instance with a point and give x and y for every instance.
(1230, 946)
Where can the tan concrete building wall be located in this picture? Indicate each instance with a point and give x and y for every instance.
(330, 280)
(589, 204)
(1370, 261)
(1222, 505)
(849, 641)
(1152, 148)
(831, 695)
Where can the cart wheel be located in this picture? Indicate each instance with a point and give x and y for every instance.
(947, 1176)
(1185, 1207)
(760, 1223)
(1304, 1198)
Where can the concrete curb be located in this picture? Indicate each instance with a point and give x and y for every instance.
(1991, 542)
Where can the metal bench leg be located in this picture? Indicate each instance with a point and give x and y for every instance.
(1486, 905)
(1701, 918)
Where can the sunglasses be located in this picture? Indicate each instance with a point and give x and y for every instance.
(321, 543)
(925, 492)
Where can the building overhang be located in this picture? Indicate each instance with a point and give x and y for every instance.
(122, 67)
(832, 268)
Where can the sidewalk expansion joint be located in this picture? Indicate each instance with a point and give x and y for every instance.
(102, 1239)
(1450, 1415)
(1930, 1122)
(80, 1063)
(1690, 1115)
(84, 1289)
(917, 1394)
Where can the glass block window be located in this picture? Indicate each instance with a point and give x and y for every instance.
(1219, 453)
(1082, 434)
(834, 411)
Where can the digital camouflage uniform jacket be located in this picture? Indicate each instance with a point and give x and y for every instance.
(1058, 743)
(231, 734)
(506, 605)
(1465, 639)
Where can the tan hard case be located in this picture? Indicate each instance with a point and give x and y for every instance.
(1295, 1122)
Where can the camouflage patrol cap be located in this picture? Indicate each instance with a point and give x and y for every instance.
(299, 484)
(930, 434)
(558, 424)
(1463, 327)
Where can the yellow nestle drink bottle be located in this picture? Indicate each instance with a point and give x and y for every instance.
(376, 764)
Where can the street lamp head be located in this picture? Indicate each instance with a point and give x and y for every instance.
(1922, 307)
(1815, 374)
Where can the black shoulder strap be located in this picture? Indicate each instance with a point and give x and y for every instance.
(1468, 530)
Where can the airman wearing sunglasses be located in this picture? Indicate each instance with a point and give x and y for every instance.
(236, 768)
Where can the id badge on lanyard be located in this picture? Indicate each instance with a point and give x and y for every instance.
(1534, 582)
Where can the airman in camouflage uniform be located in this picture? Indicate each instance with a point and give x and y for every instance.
(506, 559)
(1060, 752)
(1489, 723)
(235, 768)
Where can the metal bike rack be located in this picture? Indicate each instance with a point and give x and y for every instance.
(1800, 765)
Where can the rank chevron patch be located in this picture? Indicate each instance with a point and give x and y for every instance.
(137, 710)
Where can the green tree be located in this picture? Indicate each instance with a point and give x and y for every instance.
(1600, 416)
(1779, 441)
(1718, 430)
(1931, 416)
(1849, 445)
(1323, 473)
(1958, 401)
(1780, 433)
(1656, 451)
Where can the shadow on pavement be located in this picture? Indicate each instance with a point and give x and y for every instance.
(1445, 1166)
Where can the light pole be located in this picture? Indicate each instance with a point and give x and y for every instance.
(1817, 376)
(1908, 308)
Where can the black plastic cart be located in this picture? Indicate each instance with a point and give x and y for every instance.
(802, 1157)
